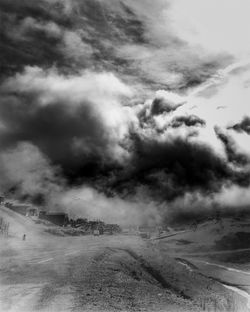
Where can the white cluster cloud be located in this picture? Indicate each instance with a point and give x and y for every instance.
(27, 169)
(51, 85)
(87, 202)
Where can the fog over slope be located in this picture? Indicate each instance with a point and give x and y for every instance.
(125, 110)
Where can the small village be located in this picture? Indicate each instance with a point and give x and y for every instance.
(61, 224)
(78, 226)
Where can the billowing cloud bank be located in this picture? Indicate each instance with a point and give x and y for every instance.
(107, 114)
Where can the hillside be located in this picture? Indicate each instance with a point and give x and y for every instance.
(211, 236)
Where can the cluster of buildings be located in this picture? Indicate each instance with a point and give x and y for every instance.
(62, 219)
(96, 225)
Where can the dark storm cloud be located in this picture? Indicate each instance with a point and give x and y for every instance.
(188, 121)
(243, 126)
(101, 35)
(66, 117)
(70, 34)
(76, 107)
(25, 34)
(55, 130)
(170, 168)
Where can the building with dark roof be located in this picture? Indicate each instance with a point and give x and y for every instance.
(58, 218)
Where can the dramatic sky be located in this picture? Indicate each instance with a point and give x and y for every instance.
(131, 111)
